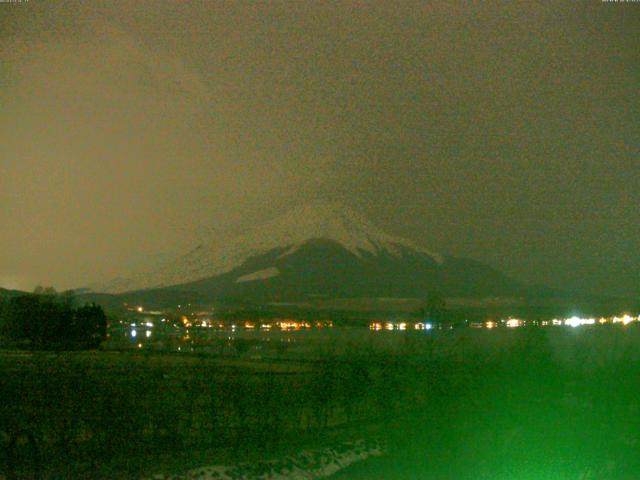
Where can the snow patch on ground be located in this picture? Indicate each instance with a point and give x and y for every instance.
(259, 275)
(307, 465)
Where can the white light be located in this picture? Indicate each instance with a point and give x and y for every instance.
(148, 333)
(577, 321)
(134, 333)
(573, 322)
(428, 326)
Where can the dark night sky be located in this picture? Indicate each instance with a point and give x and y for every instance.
(504, 131)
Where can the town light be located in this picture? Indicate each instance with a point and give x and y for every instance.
(513, 323)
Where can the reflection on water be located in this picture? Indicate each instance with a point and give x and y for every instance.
(260, 340)
(247, 337)
(305, 340)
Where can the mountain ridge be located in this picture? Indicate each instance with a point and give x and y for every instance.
(323, 250)
(322, 220)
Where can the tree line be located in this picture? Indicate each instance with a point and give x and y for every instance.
(48, 320)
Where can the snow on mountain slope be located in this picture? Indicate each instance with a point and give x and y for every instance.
(331, 221)
(259, 275)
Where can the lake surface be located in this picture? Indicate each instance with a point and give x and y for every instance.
(593, 343)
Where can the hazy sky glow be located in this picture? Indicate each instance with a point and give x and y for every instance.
(504, 131)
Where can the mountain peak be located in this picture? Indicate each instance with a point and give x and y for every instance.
(289, 231)
(337, 222)
(325, 220)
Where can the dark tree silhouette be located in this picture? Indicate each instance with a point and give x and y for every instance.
(50, 321)
(89, 325)
(435, 308)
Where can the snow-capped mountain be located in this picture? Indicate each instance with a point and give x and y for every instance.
(328, 221)
(324, 250)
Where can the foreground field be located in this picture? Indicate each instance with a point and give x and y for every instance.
(529, 404)
(116, 415)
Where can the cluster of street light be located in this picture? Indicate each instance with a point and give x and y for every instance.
(510, 322)
(378, 326)
(573, 321)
